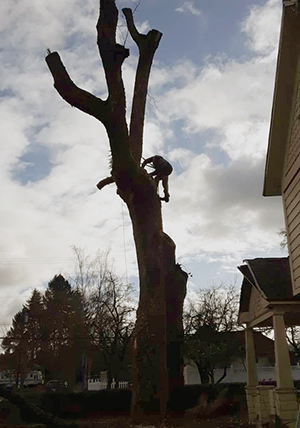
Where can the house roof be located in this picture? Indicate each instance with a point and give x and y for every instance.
(263, 345)
(282, 100)
(271, 277)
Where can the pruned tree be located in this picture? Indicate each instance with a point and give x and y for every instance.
(162, 281)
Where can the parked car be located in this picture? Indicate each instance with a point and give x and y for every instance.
(56, 386)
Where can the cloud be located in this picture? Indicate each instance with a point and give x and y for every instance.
(230, 97)
(261, 27)
(219, 204)
(33, 25)
(189, 7)
(211, 122)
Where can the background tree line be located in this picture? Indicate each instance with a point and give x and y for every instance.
(85, 324)
(81, 325)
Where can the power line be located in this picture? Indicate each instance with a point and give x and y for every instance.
(22, 261)
(28, 260)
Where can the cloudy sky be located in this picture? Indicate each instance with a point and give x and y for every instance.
(208, 113)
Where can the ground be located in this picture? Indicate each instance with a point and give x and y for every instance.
(240, 419)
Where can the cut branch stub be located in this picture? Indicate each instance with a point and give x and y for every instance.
(142, 40)
(71, 93)
(136, 36)
(105, 182)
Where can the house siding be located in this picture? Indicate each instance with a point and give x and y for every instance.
(257, 304)
(294, 144)
(291, 186)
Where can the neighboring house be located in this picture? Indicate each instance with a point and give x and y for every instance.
(264, 351)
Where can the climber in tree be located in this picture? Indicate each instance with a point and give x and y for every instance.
(162, 170)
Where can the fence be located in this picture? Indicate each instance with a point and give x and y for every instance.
(237, 375)
(264, 374)
(97, 384)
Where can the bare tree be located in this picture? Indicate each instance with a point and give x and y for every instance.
(209, 320)
(293, 338)
(110, 307)
(91, 272)
(111, 317)
(162, 281)
(284, 242)
(216, 306)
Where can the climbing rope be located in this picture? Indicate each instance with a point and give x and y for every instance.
(124, 244)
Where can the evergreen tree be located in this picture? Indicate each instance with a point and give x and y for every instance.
(15, 346)
(35, 326)
(65, 329)
(50, 332)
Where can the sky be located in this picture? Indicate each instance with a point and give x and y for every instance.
(208, 113)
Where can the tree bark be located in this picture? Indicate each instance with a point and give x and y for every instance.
(158, 334)
(223, 375)
(203, 372)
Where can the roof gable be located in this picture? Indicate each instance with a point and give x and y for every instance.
(265, 280)
(272, 276)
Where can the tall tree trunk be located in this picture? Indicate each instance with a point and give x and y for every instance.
(203, 373)
(158, 334)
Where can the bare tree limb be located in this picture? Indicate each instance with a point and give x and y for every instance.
(71, 93)
(136, 36)
(147, 45)
(112, 54)
(105, 182)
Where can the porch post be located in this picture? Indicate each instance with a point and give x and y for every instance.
(251, 388)
(285, 393)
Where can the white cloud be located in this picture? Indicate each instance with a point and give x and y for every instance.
(188, 6)
(215, 214)
(262, 27)
(36, 24)
(231, 97)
